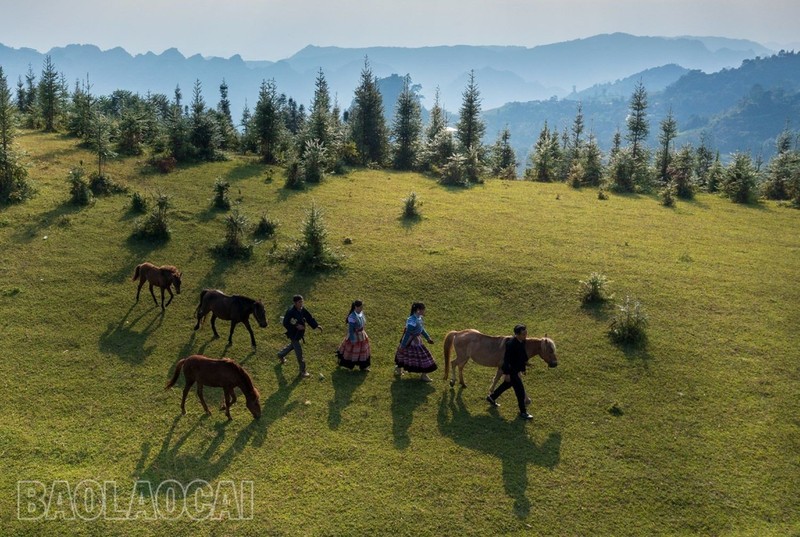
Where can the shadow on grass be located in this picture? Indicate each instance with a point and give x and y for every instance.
(601, 311)
(407, 394)
(124, 340)
(26, 233)
(345, 383)
(246, 170)
(207, 462)
(409, 222)
(507, 441)
(635, 351)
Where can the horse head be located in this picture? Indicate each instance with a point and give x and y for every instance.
(254, 403)
(176, 281)
(548, 351)
(259, 313)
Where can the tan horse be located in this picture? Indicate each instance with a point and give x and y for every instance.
(489, 351)
(163, 277)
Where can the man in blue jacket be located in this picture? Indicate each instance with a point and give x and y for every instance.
(514, 361)
(295, 320)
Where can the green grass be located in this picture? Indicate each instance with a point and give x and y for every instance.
(693, 433)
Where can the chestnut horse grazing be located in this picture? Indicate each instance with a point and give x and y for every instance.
(489, 351)
(236, 309)
(225, 374)
(163, 277)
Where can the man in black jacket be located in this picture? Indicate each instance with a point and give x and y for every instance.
(295, 320)
(514, 362)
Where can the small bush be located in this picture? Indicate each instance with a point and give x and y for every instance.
(595, 288)
(629, 323)
(154, 225)
(138, 203)
(164, 164)
(602, 195)
(668, 195)
(79, 191)
(102, 185)
(265, 228)
(311, 253)
(313, 167)
(234, 247)
(454, 171)
(221, 199)
(411, 207)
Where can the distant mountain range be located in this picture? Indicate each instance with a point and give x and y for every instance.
(706, 80)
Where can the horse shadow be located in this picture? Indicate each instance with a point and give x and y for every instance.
(504, 440)
(406, 396)
(345, 383)
(122, 339)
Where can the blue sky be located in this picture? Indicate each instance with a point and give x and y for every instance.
(271, 30)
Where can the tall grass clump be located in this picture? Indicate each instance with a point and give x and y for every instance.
(311, 253)
(411, 207)
(79, 191)
(629, 323)
(595, 288)
(154, 225)
(234, 247)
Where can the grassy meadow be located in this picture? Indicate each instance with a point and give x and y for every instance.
(694, 432)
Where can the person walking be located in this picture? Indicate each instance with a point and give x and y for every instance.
(515, 360)
(294, 321)
(412, 355)
(355, 349)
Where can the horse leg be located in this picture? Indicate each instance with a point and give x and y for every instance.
(185, 391)
(202, 401)
(228, 404)
(214, 324)
(252, 337)
(497, 376)
(153, 294)
(141, 284)
(228, 398)
(230, 336)
(162, 299)
(461, 374)
(169, 290)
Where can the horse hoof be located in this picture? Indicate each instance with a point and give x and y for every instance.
(452, 383)
(463, 385)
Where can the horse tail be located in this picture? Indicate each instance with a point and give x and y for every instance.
(136, 273)
(200, 307)
(177, 374)
(448, 343)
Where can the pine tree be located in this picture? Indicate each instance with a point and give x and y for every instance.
(438, 121)
(49, 97)
(739, 182)
(367, 124)
(268, 123)
(319, 125)
(704, 158)
(80, 116)
(407, 128)
(204, 132)
(180, 147)
(681, 172)
(638, 125)
(592, 163)
(545, 161)
(669, 130)
(248, 141)
(783, 169)
(573, 151)
(470, 128)
(13, 175)
(100, 138)
(504, 160)
(228, 138)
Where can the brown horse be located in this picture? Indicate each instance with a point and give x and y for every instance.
(163, 277)
(489, 351)
(236, 309)
(225, 374)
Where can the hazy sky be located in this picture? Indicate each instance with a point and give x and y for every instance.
(271, 30)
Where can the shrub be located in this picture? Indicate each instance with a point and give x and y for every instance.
(668, 195)
(739, 182)
(594, 289)
(629, 323)
(602, 195)
(311, 253)
(164, 164)
(221, 188)
(102, 185)
(313, 168)
(234, 247)
(14, 185)
(454, 172)
(294, 177)
(154, 225)
(411, 207)
(138, 203)
(79, 191)
(265, 227)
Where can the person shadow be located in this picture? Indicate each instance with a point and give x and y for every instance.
(407, 395)
(507, 441)
(345, 383)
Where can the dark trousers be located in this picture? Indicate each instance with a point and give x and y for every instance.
(294, 345)
(519, 391)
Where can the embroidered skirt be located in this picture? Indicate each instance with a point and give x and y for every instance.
(415, 357)
(354, 353)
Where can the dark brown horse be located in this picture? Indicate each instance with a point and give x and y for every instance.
(225, 374)
(236, 309)
(163, 277)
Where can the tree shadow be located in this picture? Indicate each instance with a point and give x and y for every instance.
(345, 383)
(246, 170)
(407, 395)
(507, 441)
(129, 344)
(636, 351)
(26, 233)
(408, 222)
(601, 311)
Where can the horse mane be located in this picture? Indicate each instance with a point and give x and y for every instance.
(169, 268)
(248, 382)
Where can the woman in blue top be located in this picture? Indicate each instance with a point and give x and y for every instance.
(355, 350)
(412, 355)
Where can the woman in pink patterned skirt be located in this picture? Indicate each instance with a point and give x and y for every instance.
(354, 350)
(412, 355)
